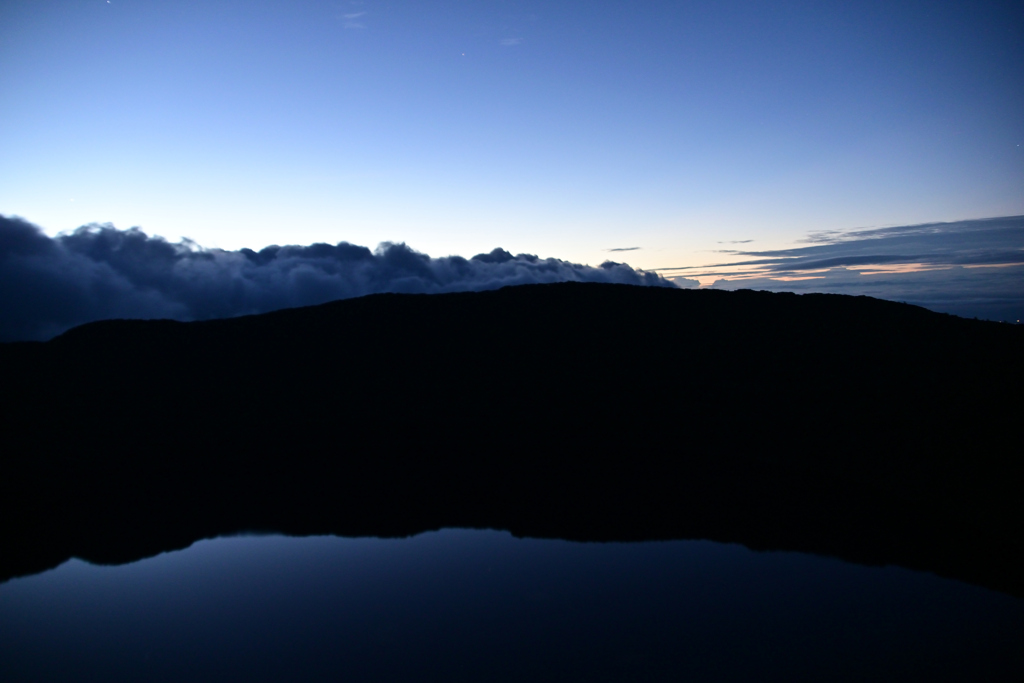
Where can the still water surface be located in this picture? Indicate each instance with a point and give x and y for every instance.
(485, 606)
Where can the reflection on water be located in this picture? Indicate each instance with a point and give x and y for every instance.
(483, 606)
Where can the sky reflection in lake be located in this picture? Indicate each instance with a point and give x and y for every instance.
(482, 605)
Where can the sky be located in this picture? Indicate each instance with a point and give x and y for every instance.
(672, 136)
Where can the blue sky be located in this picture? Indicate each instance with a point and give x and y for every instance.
(560, 129)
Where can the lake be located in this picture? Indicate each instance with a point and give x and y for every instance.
(460, 604)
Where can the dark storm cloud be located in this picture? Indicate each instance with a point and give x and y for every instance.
(51, 284)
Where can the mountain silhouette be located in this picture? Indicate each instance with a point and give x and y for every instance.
(870, 430)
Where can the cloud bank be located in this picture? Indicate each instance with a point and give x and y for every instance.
(49, 285)
(973, 268)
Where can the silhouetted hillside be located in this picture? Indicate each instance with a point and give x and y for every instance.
(871, 430)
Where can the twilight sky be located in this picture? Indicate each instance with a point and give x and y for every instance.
(655, 133)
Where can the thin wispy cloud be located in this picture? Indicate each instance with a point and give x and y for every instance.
(350, 20)
(971, 242)
(508, 42)
(971, 267)
(623, 249)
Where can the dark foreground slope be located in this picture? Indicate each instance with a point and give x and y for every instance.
(871, 430)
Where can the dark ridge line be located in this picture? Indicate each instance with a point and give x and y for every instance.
(873, 431)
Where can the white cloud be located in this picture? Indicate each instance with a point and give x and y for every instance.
(99, 272)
